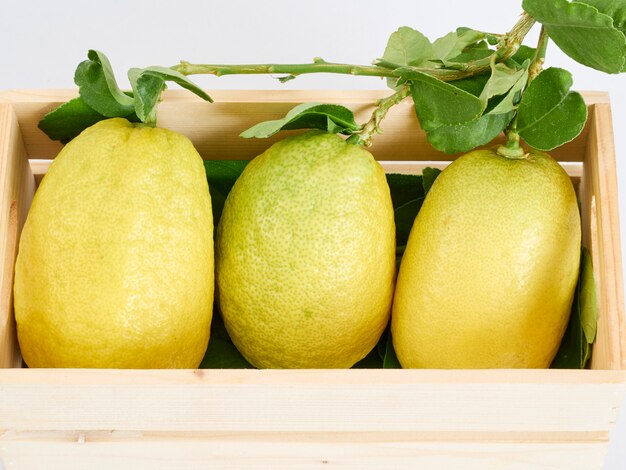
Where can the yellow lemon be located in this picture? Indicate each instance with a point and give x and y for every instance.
(490, 267)
(115, 264)
(306, 255)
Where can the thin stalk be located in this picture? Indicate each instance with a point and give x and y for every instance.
(371, 127)
(512, 148)
(509, 45)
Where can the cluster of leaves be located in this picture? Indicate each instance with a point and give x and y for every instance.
(460, 115)
(100, 97)
(407, 195)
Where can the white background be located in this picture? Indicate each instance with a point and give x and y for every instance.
(41, 42)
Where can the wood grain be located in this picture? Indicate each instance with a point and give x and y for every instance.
(17, 186)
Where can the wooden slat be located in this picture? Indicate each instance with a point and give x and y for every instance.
(16, 190)
(214, 128)
(312, 400)
(154, 451)
(604, 241)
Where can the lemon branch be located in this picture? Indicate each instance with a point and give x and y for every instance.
(509, 43)
(512, 148)
(371, 127)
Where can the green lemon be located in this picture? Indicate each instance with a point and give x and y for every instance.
(306, 255)
(490, 268)
(115, 264)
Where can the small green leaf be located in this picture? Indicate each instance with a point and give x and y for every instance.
(98, 88)
(575, 349)
(502, 79)
(466, 136)
(147, 90)
(453, 44)
(588, 298)
(550, 115)
(407, 46)
(221, 175)
(511, 99)
(327, 117)
(473, 85)
(587, 35)
(429, 175)
(438, 103)
(68, 120)
(148, 84)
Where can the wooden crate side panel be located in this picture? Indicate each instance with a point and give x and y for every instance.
(293, 450)
(311, 400)
(600, 211)
(214, 128)
(17, 186)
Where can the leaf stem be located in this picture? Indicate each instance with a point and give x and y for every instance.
(371, 127)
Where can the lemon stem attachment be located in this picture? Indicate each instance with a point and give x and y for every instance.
(512, 148)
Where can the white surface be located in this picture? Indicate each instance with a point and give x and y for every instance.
(41, 42)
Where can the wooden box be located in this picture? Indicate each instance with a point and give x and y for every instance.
(359, 419)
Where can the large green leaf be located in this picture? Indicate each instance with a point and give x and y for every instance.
(549, 114)
(438, 103)
(68, 120)
(586, 34)
(464, 137)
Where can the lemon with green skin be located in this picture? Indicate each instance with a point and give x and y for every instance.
(115, 263)
(306, 255)
(491, 264)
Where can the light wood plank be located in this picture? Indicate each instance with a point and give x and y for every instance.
(604, 241)
(214, 128)
(312, 400)
(16, 190)
(288, 451)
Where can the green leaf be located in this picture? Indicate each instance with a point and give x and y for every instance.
(453, 44)
(407, 196)
(221, 175)
(438, 103)
(511, 99)
(466, 136)
(473, 85)
(68, 120)
(582, 32)
(429, 175)
(616, 9)
(327, 117)
(575, 349)
(550, 115)
(502, 79)
(407, 46)
(147, 90)
(148, 83)
(523, 54)
(98, 88)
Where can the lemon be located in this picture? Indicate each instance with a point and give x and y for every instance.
(490, 267)
(115, 263)
(306, 255)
